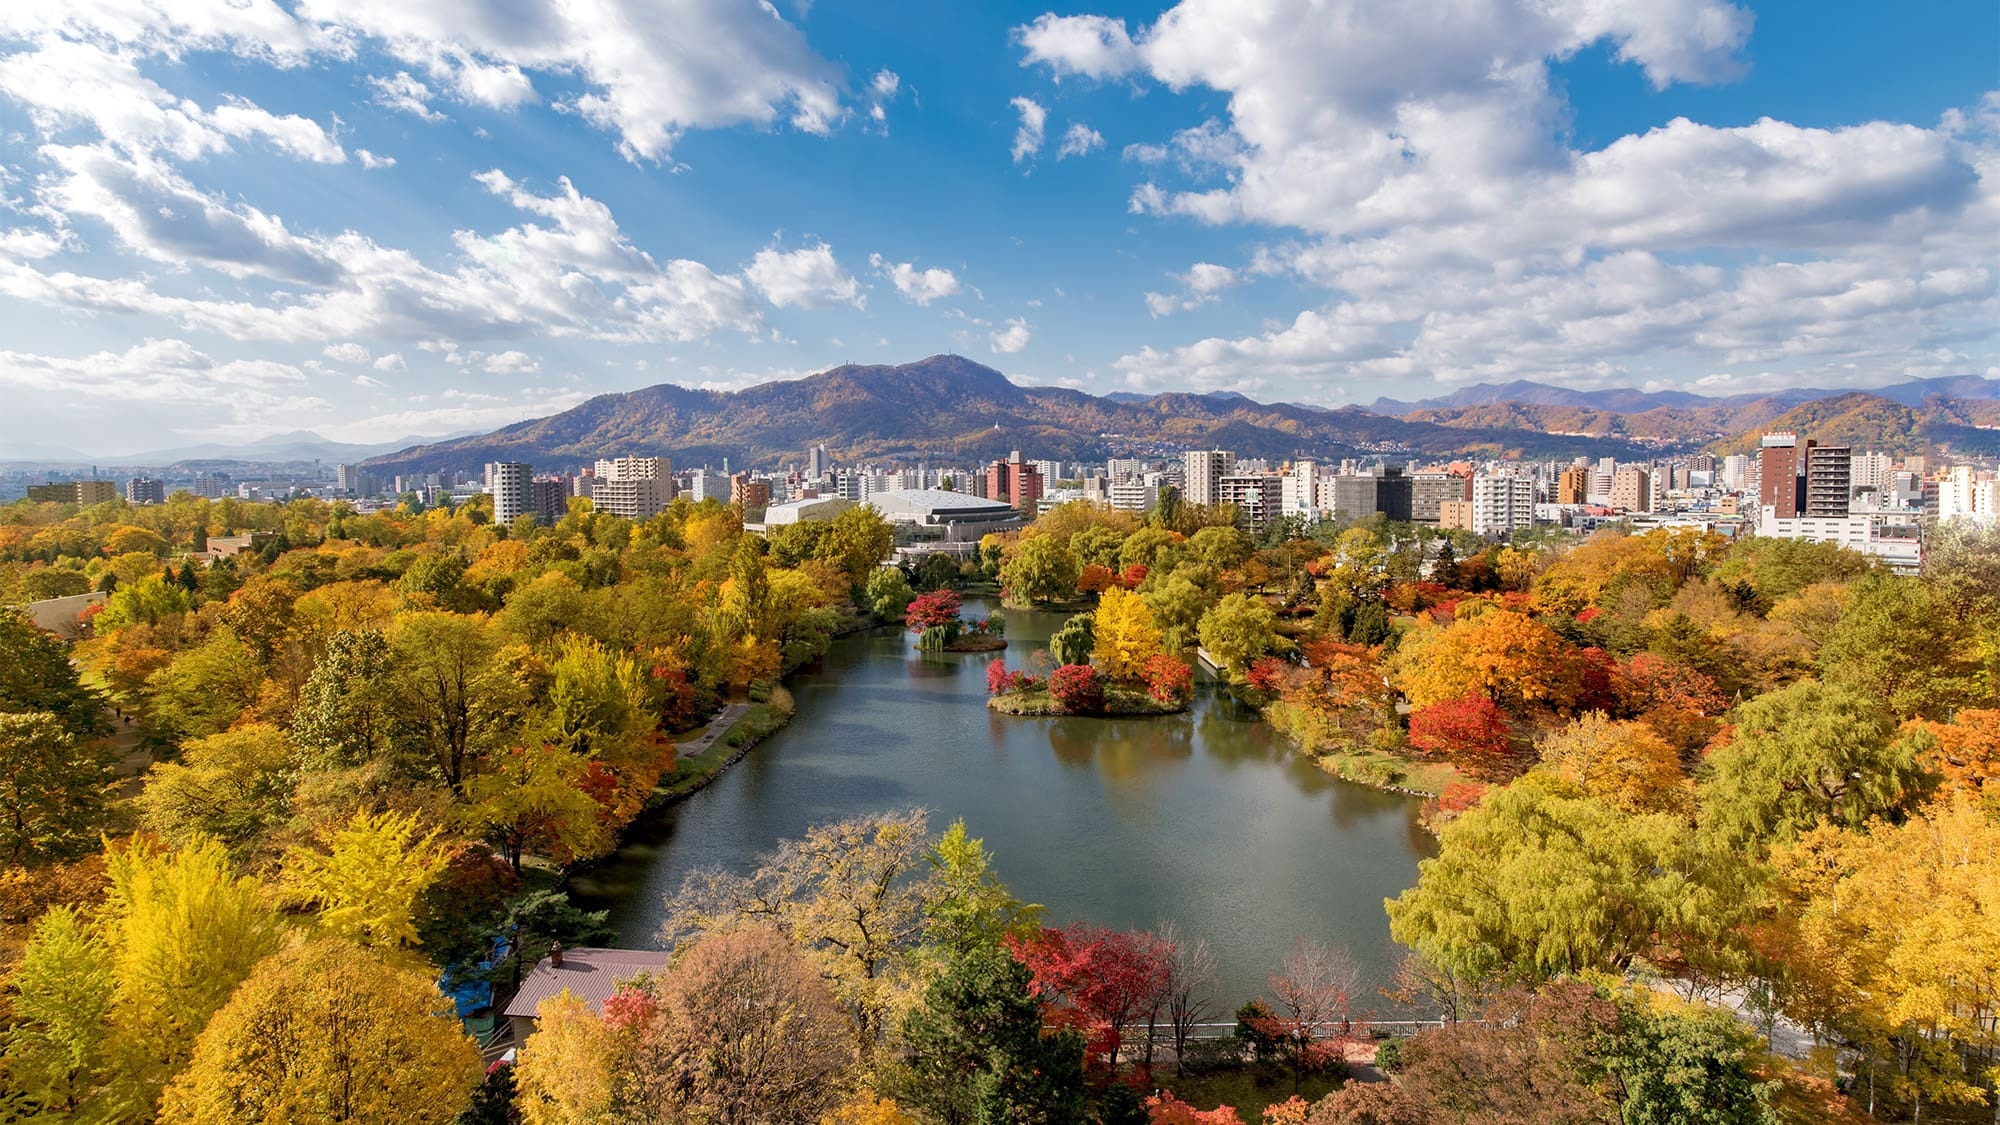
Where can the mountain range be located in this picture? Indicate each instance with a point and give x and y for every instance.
(296, 447)
(951, 409)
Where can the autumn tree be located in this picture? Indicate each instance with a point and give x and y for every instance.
(1512, 659)
(54, 789)
(743, 1029)
(1623, 763)
(327, 1032)
(534, 801)
(1190, 983)
(1965, 753)
(969, 907)
(1469, 729)
(1077, 689)
(1099, 979)
(1803, 754)
(1890, 940)
(366, 879)
(57, 1049)
(851, 895)
(1125, 636)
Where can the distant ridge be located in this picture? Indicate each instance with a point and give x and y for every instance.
(1631, 400)
(949, 408)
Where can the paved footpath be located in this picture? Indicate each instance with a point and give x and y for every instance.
(717, 727)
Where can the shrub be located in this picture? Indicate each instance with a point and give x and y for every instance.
(998, 679)
(1389, 1055)
(1169, 680)
(1469, 727)
(1076, 689)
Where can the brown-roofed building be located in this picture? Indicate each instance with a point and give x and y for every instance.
(590, 975)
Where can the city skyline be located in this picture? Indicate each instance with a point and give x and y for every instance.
(373, 222)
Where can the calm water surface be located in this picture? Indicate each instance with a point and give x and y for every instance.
(1205, 818)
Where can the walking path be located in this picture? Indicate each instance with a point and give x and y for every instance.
(716, 728)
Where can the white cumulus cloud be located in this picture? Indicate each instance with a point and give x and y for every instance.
(1028, 137)
(917, 286)
(809, 277)
(1079, 140)
(1012, 337)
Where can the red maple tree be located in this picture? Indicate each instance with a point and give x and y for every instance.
(1098, 980)
(1469, 729)
(939, 608)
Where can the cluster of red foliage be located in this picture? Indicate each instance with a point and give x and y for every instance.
(931, 610)
(1077, 689)
(1096, 579)
(1169, 680)
(1268, 674)
(1469, 728)
(1000, 681)
(1164, 1108)
(1134, 574)
(1096, 980)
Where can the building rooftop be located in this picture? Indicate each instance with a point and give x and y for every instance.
(590, 975)
(936, 499)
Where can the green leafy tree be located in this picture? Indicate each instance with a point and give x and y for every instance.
(1238, 630)
(367, 879)
(1537, 881)
(234, 786)
(54, 790)
(36, 675)
(1896, 640)
(1177, 604)
(205, 689)
(971, 908)
(976, 1055)
(1686, 1068)
(346, 712)
(860, 541)
(887, 594)
(457, 700)
(1804, 754)
(1040, 569)
(1074, 641)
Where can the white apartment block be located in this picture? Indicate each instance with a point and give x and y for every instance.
(1899, 548)
(513, 490)
(1967, 494)
(1502, 503)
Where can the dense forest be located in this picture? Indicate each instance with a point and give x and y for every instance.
(1688, 793)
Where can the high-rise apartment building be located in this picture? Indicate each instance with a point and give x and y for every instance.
(817, 462)
(751, 494)
(1965, 494)
(145, 490)
(550, 500)
(1016, 481)
(1502, 503)
(1632, 489)
(1256, 496)
(1205, 470)
(1780, 483)
(1574, 485)
(1829, 481)
(512, 483)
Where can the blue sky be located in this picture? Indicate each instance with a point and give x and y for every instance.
(375, 218)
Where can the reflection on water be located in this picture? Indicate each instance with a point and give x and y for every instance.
(1204, 818)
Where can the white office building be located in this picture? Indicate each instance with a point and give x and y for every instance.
(1205, 470)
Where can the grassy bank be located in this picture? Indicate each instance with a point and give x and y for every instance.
(754, 724)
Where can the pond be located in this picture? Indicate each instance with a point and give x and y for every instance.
(1207, 818)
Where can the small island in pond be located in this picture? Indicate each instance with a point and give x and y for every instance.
(934, 618)
(1110, 662)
